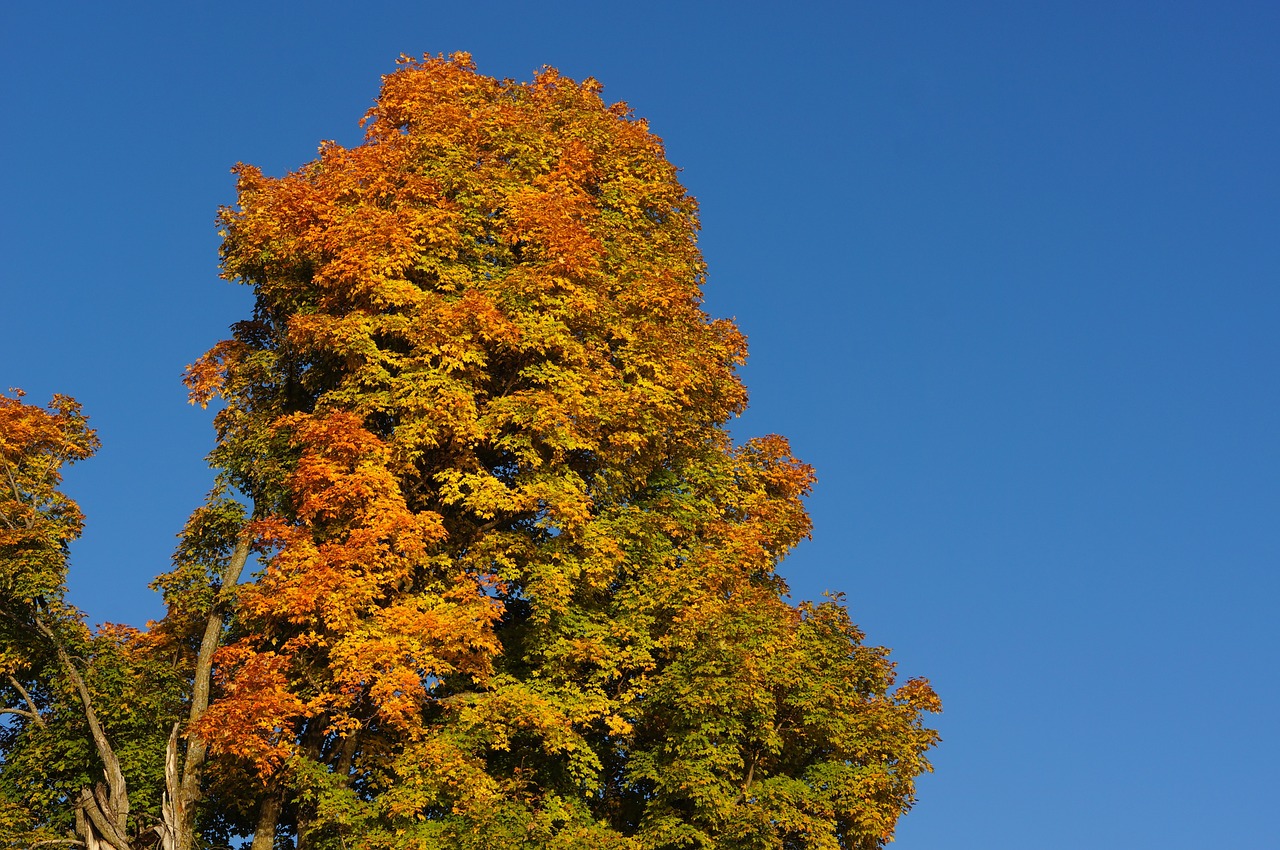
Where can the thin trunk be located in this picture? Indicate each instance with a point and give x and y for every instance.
(188, 791)
(346, 758)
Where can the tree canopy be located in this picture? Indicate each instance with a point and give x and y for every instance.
(482, 566)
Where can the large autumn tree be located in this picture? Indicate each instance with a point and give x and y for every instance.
(517, 586)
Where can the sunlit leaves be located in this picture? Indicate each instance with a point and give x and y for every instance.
(37, 520)
(517, 586)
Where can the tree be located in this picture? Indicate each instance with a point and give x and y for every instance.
(80, 705)
(517, 585)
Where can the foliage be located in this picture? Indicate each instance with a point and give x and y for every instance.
(518, 587)
(38, 521)
(48, 746)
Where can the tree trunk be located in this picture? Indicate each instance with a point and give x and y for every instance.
(169, 829)
(264, 837)
(347, 759)
(187, 794)
(95, 818)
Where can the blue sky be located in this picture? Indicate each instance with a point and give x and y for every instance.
(1008, 271)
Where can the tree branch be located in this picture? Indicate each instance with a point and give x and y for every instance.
(17, 495)
(35, 715)
(13, 482)
(119, 799)
(21, 712)
(490, 525)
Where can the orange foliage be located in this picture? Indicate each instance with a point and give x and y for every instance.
(515, 570)
(37, 520)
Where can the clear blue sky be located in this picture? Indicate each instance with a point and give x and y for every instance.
(1009, 273)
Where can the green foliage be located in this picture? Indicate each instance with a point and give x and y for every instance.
(137, 695)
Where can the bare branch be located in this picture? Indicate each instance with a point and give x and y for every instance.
(17, 495)
(26, 697)
(13, 482)
(47, 478)
(21, 712)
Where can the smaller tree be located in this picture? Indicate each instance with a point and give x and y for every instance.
(40, 634)
(91, 745)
